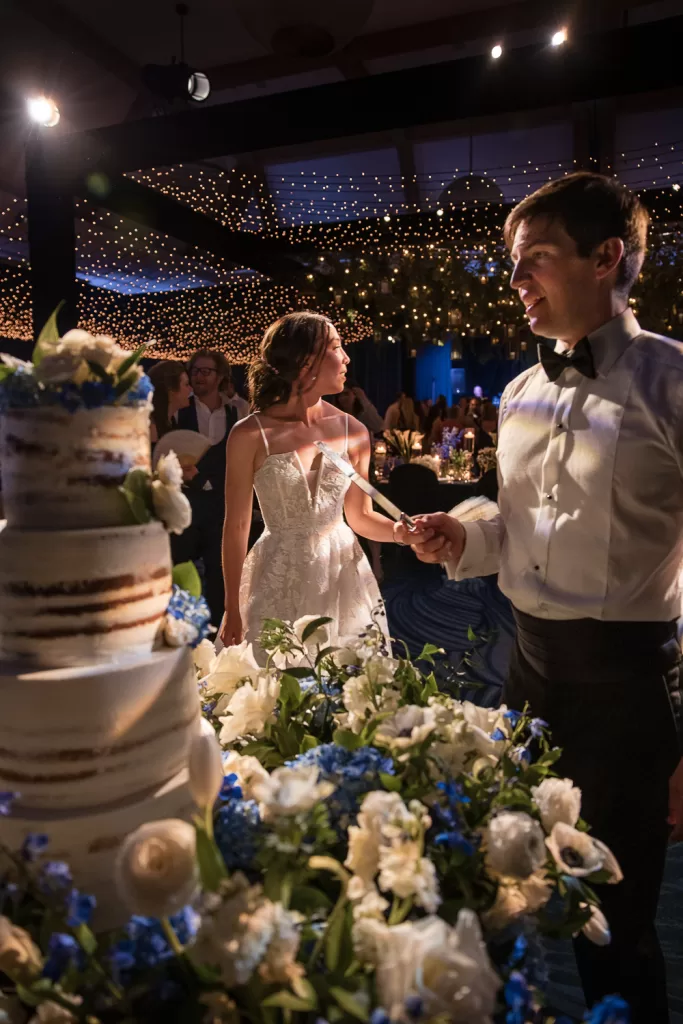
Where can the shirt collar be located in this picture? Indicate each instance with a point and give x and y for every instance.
(610, 341)
(224, 401)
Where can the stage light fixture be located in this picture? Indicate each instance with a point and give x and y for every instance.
(497, 51)
(43, 111)
(559, 37)
(176, 82)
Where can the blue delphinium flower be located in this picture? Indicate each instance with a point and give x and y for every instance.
(536, 726)
(193, 610)
(610, 1010)
(7, 798)
(498, 734)
(512, 717)
(517, 999)
(237, 830)
(353, 772)
(145, 945)
(33, 845)
(447, 828)
(55, 877)
(81, 906)
(63, 951)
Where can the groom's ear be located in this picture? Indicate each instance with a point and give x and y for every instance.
(607, 256)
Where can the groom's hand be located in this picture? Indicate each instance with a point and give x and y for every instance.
(439, 538)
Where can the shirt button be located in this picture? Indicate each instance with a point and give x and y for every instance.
(536, 568)
(549, 497)
(560, 426)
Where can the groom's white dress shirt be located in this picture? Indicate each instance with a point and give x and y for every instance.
(590, 476)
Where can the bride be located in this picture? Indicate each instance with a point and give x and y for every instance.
(307, 560)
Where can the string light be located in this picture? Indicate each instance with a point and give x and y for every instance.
(497, 51)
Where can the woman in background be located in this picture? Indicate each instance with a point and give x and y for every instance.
(171, 392)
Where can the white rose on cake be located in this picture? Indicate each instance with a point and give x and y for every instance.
(156, 868)
(61, 365)
(170, 504)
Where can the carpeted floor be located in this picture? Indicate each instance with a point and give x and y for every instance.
(472, 622)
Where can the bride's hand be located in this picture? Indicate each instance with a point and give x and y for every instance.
(231, 631)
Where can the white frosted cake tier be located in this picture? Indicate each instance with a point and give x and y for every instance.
(89, 842)
(61, 470)
(70, 597)
(86, 738)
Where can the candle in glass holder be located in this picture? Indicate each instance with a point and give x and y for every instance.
(380, 457)
(417, 447)
(468, 441)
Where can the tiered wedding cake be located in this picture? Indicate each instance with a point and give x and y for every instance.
(96, 714)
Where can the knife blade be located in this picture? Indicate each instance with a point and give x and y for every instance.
(347, 469)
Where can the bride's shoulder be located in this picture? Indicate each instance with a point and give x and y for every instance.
(245, 431)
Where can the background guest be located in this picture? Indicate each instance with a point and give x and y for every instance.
(401, 414)
(172, 392)
(354, 401)
(235, 400)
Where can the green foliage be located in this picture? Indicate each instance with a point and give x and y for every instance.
(186, 577)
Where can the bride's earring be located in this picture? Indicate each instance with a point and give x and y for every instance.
(314, 378)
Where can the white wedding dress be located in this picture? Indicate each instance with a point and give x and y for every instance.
(307, 561)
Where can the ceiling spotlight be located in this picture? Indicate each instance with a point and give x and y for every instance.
(176, 82)
(43, 111)
(497, 51)
(559, 37)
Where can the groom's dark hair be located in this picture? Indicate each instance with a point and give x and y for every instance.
(591, 209)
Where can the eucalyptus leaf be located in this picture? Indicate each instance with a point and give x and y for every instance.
(349, 1003)
(186, 577)
(212, 869)
(48, 337)
(132, 359)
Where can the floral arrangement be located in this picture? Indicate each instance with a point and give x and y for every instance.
(487, 459)
(450, 440)
(365, 849)
(460, 464)
(158, 495)
(188, 620)
(77, 371)
(403, 442)
(430, 461)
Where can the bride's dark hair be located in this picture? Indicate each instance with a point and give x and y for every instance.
(287, 346)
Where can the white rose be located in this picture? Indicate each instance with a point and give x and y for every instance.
(596, 929)
(289, 791)
(454, 974)
(178, 632)
(171, 506)
(156, 868)
(203, 656)
(205, 766)
(557, 800)
(515, 845)
(230, 666)
(169, 471)
(251, 708)
(319, 638)
(410, 726)
(578, 854)
(60, 366)
(20, 958)
(248, 770)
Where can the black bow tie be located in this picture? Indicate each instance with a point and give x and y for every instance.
(580, 358)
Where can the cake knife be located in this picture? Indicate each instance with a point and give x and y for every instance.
(347, 469)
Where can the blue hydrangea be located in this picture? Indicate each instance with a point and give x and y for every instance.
(96, 393)
(353, 772)
(140, 392)
(237, 830)
(193, 610)
(610, 1010)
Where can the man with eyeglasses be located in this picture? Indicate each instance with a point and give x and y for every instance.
(211, 414)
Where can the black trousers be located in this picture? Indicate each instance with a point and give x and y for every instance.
(610, 693)
(203, 539)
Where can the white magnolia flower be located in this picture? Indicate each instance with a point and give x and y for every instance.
(20, 958)
(251, 708)
(230, 667)
(171, 507)
(156, 868)
(248, 770)
(61, 365)
(205, 767)
(408, 727)
(289, 791)
(203, 656)
(169, 471)
(578, 854)
(557, 800)
(515, 845)
(178, 632)
(319, 638)
(596, 928)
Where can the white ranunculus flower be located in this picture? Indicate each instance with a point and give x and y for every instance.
(20, 958)
(319, 638)
(60, 366)
(408, 727)
(203, 656)
(289, 791)
(454, 974)
(578, 854)
(76, 339)
(557, 800)
(248, 770)
(230, 666)
(205, 767)
(178, 632)
(596, 928)
(169, 471)
(250, 709)
(514, 845)
(156, 868)
(171, 507)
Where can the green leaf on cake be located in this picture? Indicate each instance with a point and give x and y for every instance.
(136, 489)
(130, 362)
(125, 384)
(97, 370)
(48, 337)
(186, 577)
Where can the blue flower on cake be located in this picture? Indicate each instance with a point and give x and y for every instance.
(188, 619)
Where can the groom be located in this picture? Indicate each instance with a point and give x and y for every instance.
(588, 546)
